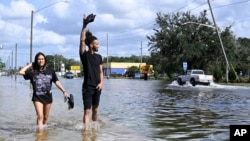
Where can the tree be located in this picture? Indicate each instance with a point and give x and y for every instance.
(217, 74)
(55, 61)
(182, 37)
(243, 55)
(1, 64)
(157, 61)
(132, 58)
(132, 70)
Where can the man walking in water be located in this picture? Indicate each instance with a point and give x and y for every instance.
(93, 74)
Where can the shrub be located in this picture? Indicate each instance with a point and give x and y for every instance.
(156, 75)
(231, 75)
(217, 74)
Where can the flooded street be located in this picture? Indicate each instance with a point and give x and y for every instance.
(130, 109)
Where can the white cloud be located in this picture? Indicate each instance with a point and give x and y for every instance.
(17, 9)
(11, 32)
(127, 22)
(37, 18)
(62, 9)
(43, 37)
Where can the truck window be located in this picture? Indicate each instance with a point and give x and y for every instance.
(198, 72)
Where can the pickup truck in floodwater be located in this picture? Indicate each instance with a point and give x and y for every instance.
(195, 77)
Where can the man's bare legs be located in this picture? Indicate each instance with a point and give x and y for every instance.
(94, 112)
(86, 116)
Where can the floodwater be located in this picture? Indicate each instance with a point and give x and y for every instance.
(130, 109)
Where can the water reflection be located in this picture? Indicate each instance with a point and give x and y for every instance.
(42, 135)
(90, 135)
(180, 115)
(198, 113)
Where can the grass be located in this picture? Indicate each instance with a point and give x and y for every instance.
(235, 84)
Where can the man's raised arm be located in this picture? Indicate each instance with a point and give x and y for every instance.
(82, 37)
(82, 41)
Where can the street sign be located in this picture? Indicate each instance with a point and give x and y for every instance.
(184, 66)
(75, 68)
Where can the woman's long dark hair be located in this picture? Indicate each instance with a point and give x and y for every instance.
(35, 65)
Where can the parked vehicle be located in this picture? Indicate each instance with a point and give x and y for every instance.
(69, 75)
(195, 77)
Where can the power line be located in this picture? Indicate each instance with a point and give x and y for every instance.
(240, 2)
(204, 3)
(133, 34)
(230, 4)
(184, 6)
(128, 36)
(40, 5)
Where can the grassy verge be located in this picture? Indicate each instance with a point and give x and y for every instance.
(235, 84)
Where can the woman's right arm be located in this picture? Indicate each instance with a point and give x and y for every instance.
(22, 71)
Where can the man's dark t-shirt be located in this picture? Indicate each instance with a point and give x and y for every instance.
(91, 68)
(41, 82)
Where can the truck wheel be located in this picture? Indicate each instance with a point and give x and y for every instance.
(192, 81)
(179, 81)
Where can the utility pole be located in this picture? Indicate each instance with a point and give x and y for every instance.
(31, 34)
(9, 63)
(107, 66)
(54, 62)
(31, 24)
(222, 47)
(141, 51)
(15, 61)
(61, 63)
(12, 64)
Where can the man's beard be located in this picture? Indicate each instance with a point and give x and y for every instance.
(95, 49)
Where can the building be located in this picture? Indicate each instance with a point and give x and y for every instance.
(118, 68)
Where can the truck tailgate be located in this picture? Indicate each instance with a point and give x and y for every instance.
(205, 78)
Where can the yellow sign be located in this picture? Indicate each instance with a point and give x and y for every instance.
(146, 69)
(75, 68)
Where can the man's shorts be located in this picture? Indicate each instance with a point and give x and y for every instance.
(90, 96)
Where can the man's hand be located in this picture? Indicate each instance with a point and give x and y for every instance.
(86, 20)
(99, 87)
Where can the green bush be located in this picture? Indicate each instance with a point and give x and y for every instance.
(132, 70)
(156, 75)
(217, 74)
(231, 75)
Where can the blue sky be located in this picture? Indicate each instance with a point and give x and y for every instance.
(121, 25)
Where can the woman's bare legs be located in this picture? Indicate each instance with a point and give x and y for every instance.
(42, 111)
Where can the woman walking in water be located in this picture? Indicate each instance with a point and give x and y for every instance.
(41, 78)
